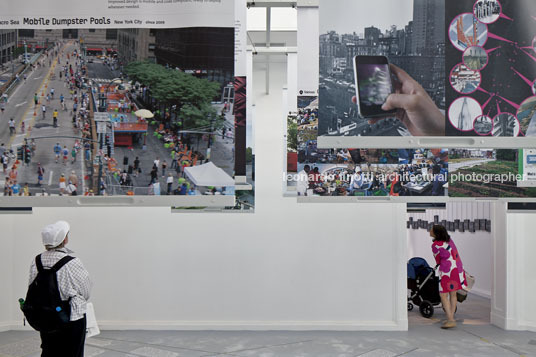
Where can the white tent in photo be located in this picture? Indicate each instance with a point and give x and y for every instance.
(209, 175)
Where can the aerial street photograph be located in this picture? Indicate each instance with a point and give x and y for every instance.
(117, 112)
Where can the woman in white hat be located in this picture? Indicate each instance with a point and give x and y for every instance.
(74, 286)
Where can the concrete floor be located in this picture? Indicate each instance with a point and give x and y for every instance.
(474, 336)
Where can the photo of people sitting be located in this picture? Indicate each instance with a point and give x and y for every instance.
(308, 113)
(418, 172)
(309, 153)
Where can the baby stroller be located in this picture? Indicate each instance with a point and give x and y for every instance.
(424, 287)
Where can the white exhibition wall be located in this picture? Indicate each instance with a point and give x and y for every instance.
(287, 266)
(475, 248)
(7, 237)
(522, 276)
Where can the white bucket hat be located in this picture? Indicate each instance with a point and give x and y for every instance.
(54, 234)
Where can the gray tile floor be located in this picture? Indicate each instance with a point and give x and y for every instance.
(474, 336)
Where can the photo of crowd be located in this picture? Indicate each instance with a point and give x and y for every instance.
(417, 173)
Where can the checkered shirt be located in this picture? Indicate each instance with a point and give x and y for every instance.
(73, 280)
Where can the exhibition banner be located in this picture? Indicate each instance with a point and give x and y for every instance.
(122, 98)
(427, 68)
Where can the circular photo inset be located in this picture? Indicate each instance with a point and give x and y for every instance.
(465, 31)
(475, 58)
(487, 11)
(505, 124)
(483, 125)
(464, 80)
(463, 112)
(527, 116)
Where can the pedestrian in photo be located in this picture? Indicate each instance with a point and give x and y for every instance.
(71, 189)
(73, 155)
(44, 110)
(13, 173)
(2, 107)
(40, 173)
(137, 169)
(62, 184)
(169, 182)
(154, 174)
(11, 126)
(36, 100)
(164, 166)
(55, 118)
(73, 178)
(5, 162)
(451, 273)
(65, 153)
(102, 186)
(16, 189)
(7, 188)
(74, 287)
(26, 190)
(57, 151)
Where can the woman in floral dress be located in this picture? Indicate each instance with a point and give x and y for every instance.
(451, 273)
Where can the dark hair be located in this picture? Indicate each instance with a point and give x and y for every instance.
(440, 233)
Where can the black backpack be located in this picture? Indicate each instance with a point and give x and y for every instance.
(44, 310)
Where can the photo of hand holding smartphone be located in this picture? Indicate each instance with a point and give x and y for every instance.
(373, 85)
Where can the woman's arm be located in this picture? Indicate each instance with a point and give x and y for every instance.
(435, 251)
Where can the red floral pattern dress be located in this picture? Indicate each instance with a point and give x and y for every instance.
(451, 273)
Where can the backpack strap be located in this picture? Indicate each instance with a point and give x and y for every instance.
(38, 263)
(66, 259)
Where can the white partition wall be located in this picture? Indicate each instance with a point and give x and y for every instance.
(287, 266)
(7, 236)
(522, 271)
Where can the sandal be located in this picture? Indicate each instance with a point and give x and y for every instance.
(449, 324)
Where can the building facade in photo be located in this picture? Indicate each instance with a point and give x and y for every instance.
(97, 38)
(205, 52)
(428, 25)
(136, 45)
(8, 43)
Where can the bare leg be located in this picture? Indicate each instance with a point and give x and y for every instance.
(446, 305)
(453, 300)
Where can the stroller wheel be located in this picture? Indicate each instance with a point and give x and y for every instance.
(410, 306)
(427, 309)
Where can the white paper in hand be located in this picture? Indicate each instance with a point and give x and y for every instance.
(92, 329)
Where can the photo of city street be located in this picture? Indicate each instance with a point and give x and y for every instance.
(464, 80)
(117, 112)
(413, 40)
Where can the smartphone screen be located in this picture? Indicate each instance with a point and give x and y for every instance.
(373, 85)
